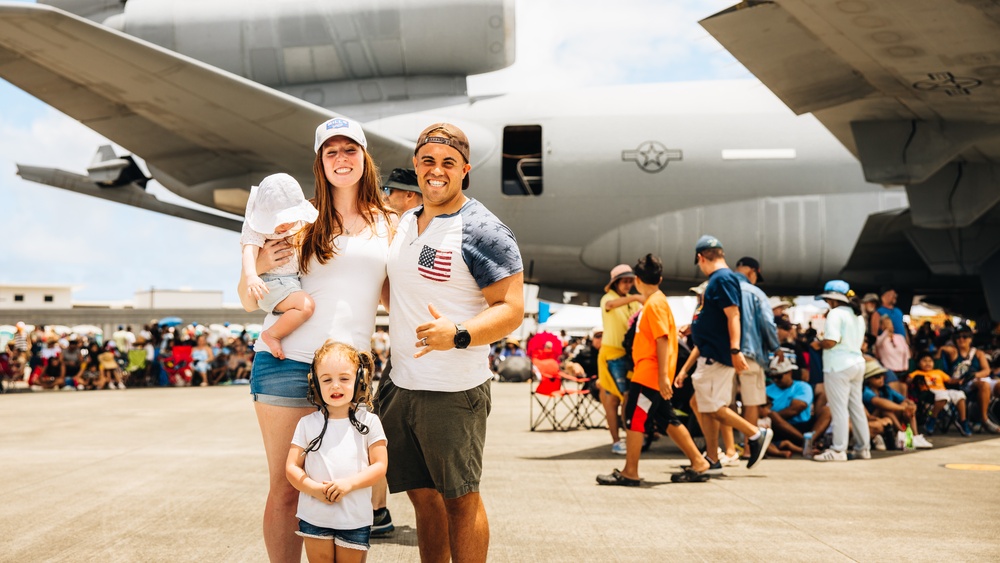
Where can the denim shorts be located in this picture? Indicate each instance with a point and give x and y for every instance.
(353, 539)
(282, 383)
(619, 368)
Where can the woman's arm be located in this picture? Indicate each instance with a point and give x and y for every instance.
(621, 301)
(274, 253)
(296, 473)
(384, 297)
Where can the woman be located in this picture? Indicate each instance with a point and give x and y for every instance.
(843, 372)
(342, 259)
(202, 356)
(617, 306)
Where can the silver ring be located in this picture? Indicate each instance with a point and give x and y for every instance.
(423, 341)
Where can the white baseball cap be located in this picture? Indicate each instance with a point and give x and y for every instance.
(340, 126)
(277, 200)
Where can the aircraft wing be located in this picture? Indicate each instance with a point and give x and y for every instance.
(203, 132)
(908, 86)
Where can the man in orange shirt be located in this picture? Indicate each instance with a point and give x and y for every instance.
(654, 353)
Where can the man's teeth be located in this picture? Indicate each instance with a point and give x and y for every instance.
(436, 183)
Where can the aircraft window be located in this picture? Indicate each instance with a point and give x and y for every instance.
(18, 298)
(48, 299)
(522, 160)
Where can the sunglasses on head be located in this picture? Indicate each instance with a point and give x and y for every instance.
(964, 336)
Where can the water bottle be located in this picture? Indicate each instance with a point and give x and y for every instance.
(807, 447)
(909, 437)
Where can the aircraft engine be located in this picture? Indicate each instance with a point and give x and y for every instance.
(303, 41)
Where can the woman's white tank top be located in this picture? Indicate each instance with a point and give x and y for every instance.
(346, 290)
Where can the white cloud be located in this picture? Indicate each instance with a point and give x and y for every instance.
(572, 43)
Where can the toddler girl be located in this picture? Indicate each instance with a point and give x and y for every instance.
(276, 209)
(337, 454)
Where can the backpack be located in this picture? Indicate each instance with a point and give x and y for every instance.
(629, 339)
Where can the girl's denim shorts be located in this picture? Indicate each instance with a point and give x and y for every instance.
(353, 539)
(283, 383)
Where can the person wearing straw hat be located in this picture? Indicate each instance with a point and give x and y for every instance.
(618, 305)
(341, 257)
(276, 209)
(843, 372)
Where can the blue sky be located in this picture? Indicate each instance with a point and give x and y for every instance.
(110, 250)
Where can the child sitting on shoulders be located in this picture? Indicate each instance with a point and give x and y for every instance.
(935, 381)
(277, 209)
(348, 455)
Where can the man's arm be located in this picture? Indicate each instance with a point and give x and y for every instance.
(793, 409)
(733, 315)
(504, 313)
(984, 364)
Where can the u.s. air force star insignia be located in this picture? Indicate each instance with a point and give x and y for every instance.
(652, 156)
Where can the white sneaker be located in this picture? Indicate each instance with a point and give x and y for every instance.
(921, 443)
(879, 442)
(618, 448)
(991, 426)
(729, 461)
(831, 455)
(863, 454)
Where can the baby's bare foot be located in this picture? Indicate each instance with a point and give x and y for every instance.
(273, 344)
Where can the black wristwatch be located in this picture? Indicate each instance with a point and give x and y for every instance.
(734, 351)
(462, 337)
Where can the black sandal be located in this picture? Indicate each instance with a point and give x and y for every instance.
(689, 476)
(616, 478)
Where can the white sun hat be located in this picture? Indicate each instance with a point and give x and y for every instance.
(277, 200)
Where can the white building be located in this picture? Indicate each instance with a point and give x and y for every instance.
(178, 299)
(36, 296)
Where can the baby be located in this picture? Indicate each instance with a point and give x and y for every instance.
(276, 209)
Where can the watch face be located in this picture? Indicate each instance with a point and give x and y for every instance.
(462, 338)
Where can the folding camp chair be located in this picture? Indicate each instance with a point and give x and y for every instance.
(137, 368)
(559, 407)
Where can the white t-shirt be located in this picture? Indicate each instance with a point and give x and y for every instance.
(848, 330)
(344, 452)
(346, 290)
(448, 265)
(252, 237)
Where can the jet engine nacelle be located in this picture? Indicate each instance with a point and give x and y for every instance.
(305, 41)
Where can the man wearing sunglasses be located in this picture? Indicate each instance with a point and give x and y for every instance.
(401, 190)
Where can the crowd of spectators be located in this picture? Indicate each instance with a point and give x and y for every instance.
(917, 383)
(40, 358)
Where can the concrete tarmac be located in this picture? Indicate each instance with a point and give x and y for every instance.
(179, 475)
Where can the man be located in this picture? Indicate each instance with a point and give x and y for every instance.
(654, 353)
(759, 337)
(123, 339)
(778, 306)
(717, 335)
(970, 370)
(888, 296)
(455, 287)
(791, 403)
(401, 190)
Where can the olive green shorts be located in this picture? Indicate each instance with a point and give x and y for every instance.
(435, 439)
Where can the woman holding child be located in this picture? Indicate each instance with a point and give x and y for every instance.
(341, 258)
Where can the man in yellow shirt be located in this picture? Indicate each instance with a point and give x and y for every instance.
(648, 406)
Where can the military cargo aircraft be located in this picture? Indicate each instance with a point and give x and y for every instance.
(214, 96)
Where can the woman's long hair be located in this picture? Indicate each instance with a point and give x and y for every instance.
(363, 364)
(317, 238)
